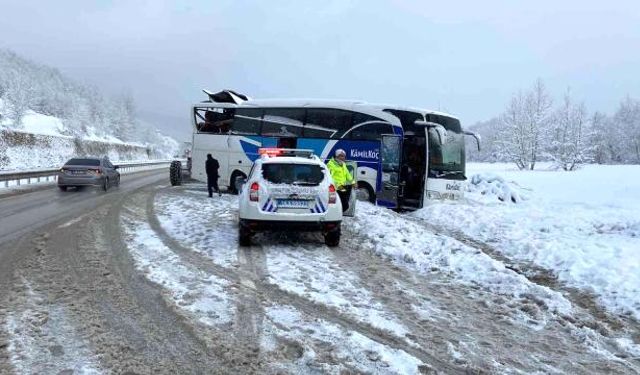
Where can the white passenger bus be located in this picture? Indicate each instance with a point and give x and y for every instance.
(405, 157)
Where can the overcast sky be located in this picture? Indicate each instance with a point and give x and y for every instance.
(464, 57)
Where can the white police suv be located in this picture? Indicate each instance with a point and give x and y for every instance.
(289, 189)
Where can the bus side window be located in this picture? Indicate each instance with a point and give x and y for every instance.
(211, 120)
(283, 122)
(370, 131)
(331, 122)
(247, 121)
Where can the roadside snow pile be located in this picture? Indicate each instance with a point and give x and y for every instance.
(413, 245)
(491, 187)
(583, 226)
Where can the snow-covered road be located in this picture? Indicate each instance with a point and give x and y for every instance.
(157, 283)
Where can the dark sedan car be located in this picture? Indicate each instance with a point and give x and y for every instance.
(88, 172)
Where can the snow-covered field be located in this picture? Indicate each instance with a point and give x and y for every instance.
(583, 226)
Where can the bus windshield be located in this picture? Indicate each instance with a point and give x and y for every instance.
(446, 159)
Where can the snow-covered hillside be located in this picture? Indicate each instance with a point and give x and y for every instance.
(41, 142)
(583, 226)
(38, 100)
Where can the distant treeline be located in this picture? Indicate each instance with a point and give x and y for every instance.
(532, 128)
(25, 85)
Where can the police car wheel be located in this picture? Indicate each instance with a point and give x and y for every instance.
(244, 237)
(332, 239)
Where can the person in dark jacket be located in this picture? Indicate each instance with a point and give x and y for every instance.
(212, 167)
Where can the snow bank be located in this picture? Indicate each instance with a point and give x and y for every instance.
(494, 187)
(583, 226)
(413, 245)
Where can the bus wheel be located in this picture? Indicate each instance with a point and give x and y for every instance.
(234, 187)
(175, 173)
(365, 193)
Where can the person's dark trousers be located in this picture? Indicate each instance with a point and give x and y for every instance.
(344, 197)
(212, 185)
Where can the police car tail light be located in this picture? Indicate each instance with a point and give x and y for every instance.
(332, 194)
(253, 192)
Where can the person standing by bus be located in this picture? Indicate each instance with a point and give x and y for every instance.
(212, 166)
(341, 177)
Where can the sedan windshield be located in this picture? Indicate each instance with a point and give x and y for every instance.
(295, 174)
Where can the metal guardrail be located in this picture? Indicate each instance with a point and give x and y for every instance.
(39, 174)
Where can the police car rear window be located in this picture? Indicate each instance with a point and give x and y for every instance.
(294, 174)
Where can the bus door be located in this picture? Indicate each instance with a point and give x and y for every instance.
(390, 153)
(352, 166)
(436, 136)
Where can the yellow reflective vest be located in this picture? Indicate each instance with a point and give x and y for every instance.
(339, 173)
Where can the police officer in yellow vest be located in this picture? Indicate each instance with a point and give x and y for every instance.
(341, 177)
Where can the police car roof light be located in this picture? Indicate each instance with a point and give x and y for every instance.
(269, 151)
(274, 151)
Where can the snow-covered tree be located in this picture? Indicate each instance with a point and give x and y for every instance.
(627, 123)
(18, 90)
(489, 133)
(513, 144)
(525, 127)
(124, 117)
(568, 147)
(600, 138)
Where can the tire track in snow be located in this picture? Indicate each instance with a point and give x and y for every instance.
(269, 292)
(478, 328)
(42, 336)
(598, 319)
(591, 320)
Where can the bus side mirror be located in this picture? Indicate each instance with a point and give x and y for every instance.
(440, 130)
(474, 135)
(442, 133)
